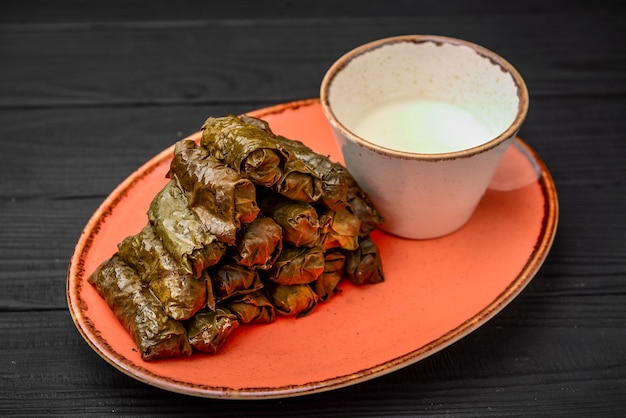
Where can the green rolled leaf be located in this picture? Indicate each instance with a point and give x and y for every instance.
(332, 175)
(297, 265)
(298, 220)
(182, 233)
(340, 229)
(181, 294)
(246, 148)
(139, 311)
(293, 300)
(364, 265)
(221, 199)
(299, 182)
(209, 330)
(230, 279)
(252, 308)
(362, 207)
(258, 244)
(327, 284)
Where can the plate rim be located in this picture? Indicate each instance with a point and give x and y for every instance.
(88, 331)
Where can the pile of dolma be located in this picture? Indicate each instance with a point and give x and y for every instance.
(249, 226)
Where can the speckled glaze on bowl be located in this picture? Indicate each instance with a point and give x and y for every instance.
(424, 195)
(435, 291)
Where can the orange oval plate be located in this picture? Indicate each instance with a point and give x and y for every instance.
(435, 291)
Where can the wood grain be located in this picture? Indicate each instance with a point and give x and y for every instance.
(89, 91)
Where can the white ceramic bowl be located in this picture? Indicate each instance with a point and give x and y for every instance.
(422, 122)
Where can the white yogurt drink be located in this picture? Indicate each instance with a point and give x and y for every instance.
(422, 126)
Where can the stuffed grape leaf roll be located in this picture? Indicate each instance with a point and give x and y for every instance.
(362, 207)
(217, 194)
(298, 220)
(252, 308)
(139, 311)
(331, 175)
(364, 265)
(340, 229)
(209, 330)
(327, 284)
(299, 182)
(182, 233)
(181, 295)
(258, 243)
(292, 300)
(297, 265)
(291, 177)
(230, 279)
(244, 147)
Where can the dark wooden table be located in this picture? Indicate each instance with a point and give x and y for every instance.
(91, 90)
